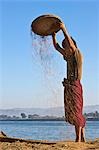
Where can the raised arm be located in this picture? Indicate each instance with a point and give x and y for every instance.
(57, 46)
(66, 35)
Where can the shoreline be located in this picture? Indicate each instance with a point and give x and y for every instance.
(45, 119)
(22, 144)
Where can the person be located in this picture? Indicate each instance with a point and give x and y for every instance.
(73, 92)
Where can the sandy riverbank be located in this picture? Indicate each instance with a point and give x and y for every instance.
(7, 143)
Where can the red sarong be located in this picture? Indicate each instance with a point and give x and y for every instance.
(73, 102)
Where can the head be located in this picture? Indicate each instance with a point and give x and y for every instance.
(65, 43)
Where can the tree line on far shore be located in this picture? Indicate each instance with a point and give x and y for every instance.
(36, 116)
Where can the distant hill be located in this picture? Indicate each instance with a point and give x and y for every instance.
(91, 108)
(57, 111)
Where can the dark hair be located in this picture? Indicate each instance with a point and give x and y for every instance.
(74, 42)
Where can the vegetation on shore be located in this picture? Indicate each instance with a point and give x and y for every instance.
(23, 116)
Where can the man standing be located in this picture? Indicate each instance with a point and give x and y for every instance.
(73, 93)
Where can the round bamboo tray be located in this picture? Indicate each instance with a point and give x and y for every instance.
(46, 24)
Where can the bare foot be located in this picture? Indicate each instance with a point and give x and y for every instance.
(83, 139)
(77, 140)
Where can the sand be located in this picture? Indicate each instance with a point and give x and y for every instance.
(7, 143)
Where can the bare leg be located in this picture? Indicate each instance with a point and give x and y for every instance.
(78, 134)
(76, 131)
(82, 135)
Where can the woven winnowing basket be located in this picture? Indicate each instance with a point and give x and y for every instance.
(46, 24)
